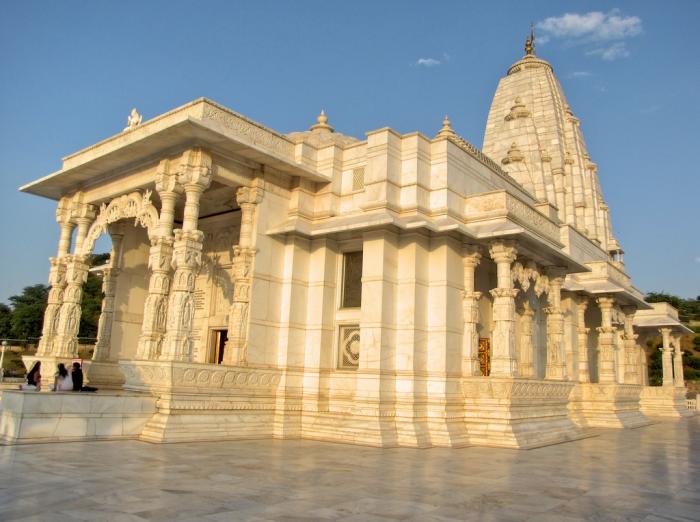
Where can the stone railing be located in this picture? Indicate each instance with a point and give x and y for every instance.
(691, 404)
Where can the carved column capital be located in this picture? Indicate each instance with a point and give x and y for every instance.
(472, 296)
(471, 255)
(666, 336)
(503, 251)
(605, 302)
(81, 211)
(249, 195)
(167, 180)
(195, 170)
(504, 292)
(64, 211)
(581, 302)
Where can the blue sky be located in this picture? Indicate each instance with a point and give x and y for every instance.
(71, 72)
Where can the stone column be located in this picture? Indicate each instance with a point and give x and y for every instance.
(195, 176)
(77, 266)
(629, 342)
(57, 279)
(236, 348)
(503, 358)
(584, 372)
(470, 308)
(606, 342)
(159, 263)
(678, 379)
(666, 356)
(556, 357)
(109, 282)
(526, 360)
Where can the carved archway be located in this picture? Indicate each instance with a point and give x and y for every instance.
(134, 205)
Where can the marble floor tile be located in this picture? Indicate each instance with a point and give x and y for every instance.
(650, 474)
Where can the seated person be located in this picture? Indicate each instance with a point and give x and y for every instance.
(62, 379)
(77, 375)
(33, 378)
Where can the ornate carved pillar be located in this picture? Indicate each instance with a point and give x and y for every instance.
(666, 356)
(526, 364)
(606, 342)
(470, 307)
(235, 352)
(629, 341)
(109, 282)
(195, 176)
(584, 372)
(159, 263)
(678, 379)
(68, 325)
(556, 357)
(57, 279)
(503, 360)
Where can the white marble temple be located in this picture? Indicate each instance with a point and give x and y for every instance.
(396, 290)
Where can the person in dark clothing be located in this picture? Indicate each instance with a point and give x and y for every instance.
(34, 375)
(33, 378)
(77, 375)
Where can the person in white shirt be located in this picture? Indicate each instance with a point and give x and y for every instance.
(62, 379)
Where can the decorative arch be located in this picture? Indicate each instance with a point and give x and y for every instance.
(134, 205)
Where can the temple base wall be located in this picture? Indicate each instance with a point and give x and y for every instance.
(595, 405)
(103, 374)
(178, 402)
(664, 401)
(30, 417)
(518, 413)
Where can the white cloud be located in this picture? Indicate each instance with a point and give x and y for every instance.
(593, 26)
(433, 62)
(605, 31)
(428, 62)
(610, 53)
(580, 74)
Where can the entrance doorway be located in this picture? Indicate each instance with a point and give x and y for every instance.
(218, 342)
(485, 356)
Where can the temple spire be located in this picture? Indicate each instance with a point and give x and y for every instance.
(446, 131)
(322, 123)
(530, 41)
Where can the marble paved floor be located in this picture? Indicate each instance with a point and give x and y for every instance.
(650, 474)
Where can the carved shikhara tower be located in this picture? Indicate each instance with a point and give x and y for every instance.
(533, 133)
(399, 290)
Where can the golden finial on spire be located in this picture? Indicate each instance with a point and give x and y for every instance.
(530, 42)
(446, 130)
(322, 123)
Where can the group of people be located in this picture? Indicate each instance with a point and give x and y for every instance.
(63, 379)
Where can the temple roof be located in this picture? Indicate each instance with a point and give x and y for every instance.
(533, 133)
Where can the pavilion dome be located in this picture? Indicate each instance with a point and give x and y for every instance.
(533, 134)
(322, 134)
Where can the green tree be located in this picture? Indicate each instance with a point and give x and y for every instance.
(656, 374)
(90, 306)
(28, 311)
(687, 308)
(5, 321)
